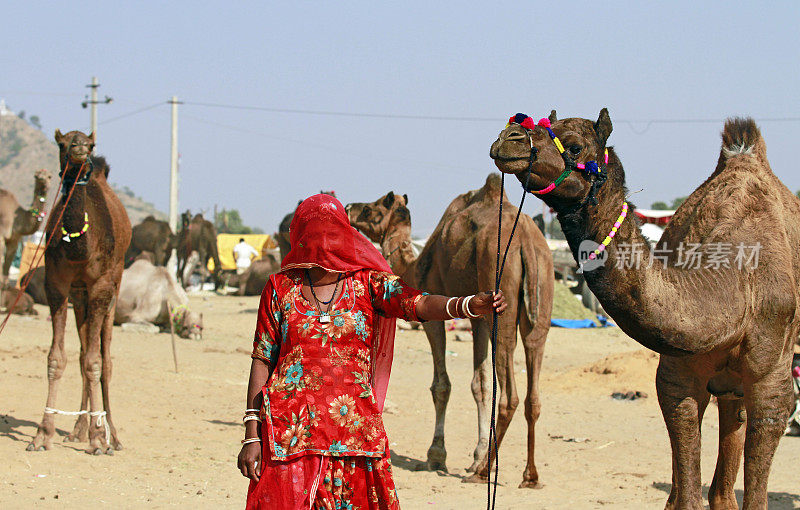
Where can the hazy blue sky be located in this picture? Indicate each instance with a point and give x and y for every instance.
(487, 60)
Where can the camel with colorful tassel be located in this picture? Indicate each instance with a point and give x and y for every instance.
(718, 298)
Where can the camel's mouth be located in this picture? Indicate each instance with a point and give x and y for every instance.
(78, 158)
(510, 160)
(511, 151)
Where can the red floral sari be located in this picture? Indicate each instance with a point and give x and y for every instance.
(324, 445)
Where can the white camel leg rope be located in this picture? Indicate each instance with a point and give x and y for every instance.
(101, 418)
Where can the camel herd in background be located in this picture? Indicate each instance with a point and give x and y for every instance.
(736, 346)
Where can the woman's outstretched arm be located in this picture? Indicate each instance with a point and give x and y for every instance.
(439, 308)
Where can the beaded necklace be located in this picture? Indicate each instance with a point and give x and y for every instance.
(69, 235)
(600, 249)
(324, 317)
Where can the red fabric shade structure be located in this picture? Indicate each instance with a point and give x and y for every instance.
(655, 217)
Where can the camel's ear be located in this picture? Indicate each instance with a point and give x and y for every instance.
(59, 136)
(388, 200)
(603, 126)
(405, 197)
(553, 117)
(92, 137)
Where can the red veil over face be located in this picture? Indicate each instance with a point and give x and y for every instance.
(321, 236)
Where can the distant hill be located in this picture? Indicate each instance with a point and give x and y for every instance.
(24, 149)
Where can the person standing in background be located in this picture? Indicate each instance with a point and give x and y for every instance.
(243, 253)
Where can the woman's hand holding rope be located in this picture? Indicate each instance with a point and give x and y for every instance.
(439, 308)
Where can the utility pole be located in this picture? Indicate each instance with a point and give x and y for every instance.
(173, 181)
(94, 102)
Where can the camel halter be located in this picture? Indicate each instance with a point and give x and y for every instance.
(590, 167)
(67, 183)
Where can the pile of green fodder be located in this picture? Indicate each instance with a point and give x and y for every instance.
(567, 305)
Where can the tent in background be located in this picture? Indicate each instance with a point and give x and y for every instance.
(225, 243)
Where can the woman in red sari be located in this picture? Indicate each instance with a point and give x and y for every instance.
(322, 353)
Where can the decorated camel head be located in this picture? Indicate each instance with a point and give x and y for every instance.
(74, 147)
(41, 182)
(376, 218)
(191, 326)
(563, 161)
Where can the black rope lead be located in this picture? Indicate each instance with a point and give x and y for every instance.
(491, 487)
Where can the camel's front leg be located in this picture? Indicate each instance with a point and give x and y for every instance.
(732, 419)
(56, 362)
(440, 390)
(507, 398)
(101, 295)
(769, 402)
(78, 297)
(683, 399)
(105, 378)
(481, 386)
(533, 339)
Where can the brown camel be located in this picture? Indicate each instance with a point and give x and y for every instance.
(198, 235)
(253, 280)
(83, 263)
(24, 303)
(723, 326)
(16, 221)
(153, 236)
(35, 288)
(459, 259)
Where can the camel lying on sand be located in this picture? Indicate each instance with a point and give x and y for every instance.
(23, 307)
(148, 293)
(253, 280)
(35, 288)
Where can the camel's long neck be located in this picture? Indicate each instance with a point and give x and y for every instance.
(397, 248)
(27, 221)
(663, 308)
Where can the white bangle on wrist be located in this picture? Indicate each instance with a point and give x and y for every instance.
(465, 307)
(447, 308)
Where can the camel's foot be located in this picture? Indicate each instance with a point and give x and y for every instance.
(726, 501)
(40, 443)
(437, 456)
(100, 450)
(80, 432)
(478, 455)
(115, 443)
(476, 478)
(531, 484)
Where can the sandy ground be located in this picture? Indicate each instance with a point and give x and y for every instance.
(181, 431)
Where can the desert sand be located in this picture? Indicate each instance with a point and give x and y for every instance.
(181, 431)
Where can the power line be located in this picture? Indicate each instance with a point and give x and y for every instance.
(344, 114)
(334, 113)
(306, 143)
(135, 112)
